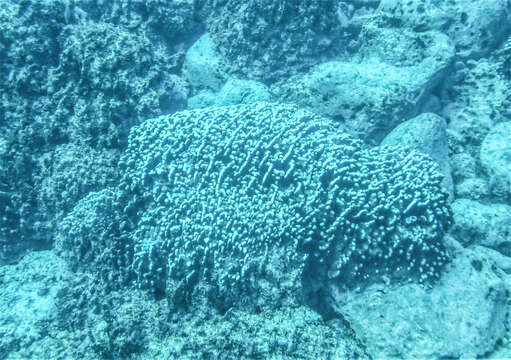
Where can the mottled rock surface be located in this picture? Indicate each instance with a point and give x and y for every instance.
(387, 82)
(28, 306)
(234, 91)
(480, 224)
(202, 65)
(476, 27)
(425, 133)
(266, 40)
(461, 317)
(496, 159)
(69, 87)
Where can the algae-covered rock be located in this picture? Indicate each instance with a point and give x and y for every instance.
(98, 322)
(202, 66)
(203, 99)
(170, 22)
(478, 98)
(463, 166)
(267, 40)
(287, 333)
(237, 91)
(28, 307)
(29, 50)
(71, 89)
(234, 91)
(475, 188)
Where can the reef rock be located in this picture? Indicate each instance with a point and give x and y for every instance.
(461, 317)
(496, 159)
(387, 82)
(267, 40)
(488, 225)
(425, 133)
(476, 27)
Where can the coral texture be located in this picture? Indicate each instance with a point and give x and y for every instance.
(253, 199)
(268, 39)
(70, 93)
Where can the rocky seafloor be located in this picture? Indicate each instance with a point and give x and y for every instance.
(256, 179)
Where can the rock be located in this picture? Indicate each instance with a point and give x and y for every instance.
(234, 91)
(268, 40)
(488, 225)
(286, 333)
(419, 15)
(463, 166)
(425, 133)
(386, 83)
(463, 316)
(496, 159)
(476, 27)
(126, 323)
(203, 99)
(432, 104)
(70, 87)
(237, 91)
(171, 22)
(476, 97)
(202, 66)
(475, 188)
(30, 291)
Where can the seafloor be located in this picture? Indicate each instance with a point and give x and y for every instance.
(255, 179)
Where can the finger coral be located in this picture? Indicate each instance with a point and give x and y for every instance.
(251, 200)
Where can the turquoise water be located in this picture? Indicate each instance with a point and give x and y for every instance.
(203, 179)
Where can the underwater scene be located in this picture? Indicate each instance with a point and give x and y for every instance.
(255, 179)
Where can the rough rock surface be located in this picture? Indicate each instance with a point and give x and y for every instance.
(68, 86)
(463, 316)
(236, 91)
(480, 224)
(386, 83)
(266, 40)
(496, 159)
(47, 312)
(233, 92)
(463, 166)
(425, 133)
(202, 66)
(28, 306)
(476, 27)
(170, 23)
(475, 99)
(474, 188)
